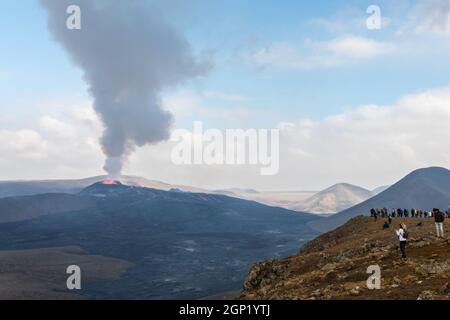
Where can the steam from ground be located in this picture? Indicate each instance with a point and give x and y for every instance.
(128, 54)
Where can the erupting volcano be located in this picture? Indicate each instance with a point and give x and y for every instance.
(126, 64)
(111, 182)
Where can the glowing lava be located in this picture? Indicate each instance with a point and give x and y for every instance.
(111, 182)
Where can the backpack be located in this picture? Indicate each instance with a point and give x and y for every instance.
(439, 217)
(405, 234)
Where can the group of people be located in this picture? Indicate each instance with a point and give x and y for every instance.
(404, 213)
(402, 233)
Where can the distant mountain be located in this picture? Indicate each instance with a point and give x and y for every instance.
(423, 189)
(26, 188)
(335, 198)
(284, 199)
(176, 244)
(288, 200)
(325, 202)
(237, 192)
(379, 190)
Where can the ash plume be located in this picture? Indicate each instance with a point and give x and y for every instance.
(128, 53)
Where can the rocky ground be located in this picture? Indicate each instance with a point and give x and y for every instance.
(38, 274)
(334, 265)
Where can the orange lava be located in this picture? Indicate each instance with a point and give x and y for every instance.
(109, 182)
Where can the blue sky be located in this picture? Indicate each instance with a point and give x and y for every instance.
(34, 67)
(309, 93)
(228, 30)
(274, 62)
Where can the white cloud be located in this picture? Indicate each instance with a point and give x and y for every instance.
(225, 96)
(285, 56)
(358, 47)
(371, 144)
(54, 146)
(182, 103)
(207, 106)
(429, 17)
(420, 17)
(347, 21)
(85, 114)
(27, 144)
(321, 54)
(55, 126)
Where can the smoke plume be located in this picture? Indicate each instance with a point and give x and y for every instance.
(128, 54)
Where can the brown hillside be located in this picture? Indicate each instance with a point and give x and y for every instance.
(334, 265)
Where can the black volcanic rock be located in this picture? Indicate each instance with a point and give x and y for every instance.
(30, 207)
(422, 189)
(105, 188)
(182, 245)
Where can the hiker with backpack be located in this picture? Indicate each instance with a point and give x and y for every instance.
(402, 235)
(373, 213)
(439, 222)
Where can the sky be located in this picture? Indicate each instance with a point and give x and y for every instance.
(352, 104)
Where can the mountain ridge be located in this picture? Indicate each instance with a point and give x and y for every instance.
(292, 200)
(334, 266)
(336, 198)
(424, 189)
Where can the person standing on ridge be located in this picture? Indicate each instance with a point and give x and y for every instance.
(439, 222)
(402, 235)
(373, 214)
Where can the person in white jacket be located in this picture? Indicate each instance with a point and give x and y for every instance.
(402, 236)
